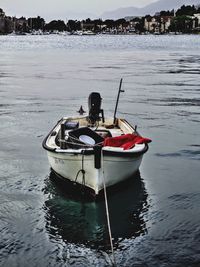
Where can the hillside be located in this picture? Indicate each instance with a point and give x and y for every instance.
(149, 9)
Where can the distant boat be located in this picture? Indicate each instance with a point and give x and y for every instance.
(36, 32)
(14, 33)
(88, 33)
(79, 33)
(93, 151)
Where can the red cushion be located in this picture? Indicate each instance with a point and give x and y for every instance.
(126, 141)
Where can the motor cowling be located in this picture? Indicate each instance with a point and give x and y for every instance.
(94, 106)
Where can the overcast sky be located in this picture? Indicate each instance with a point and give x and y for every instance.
(55, 9)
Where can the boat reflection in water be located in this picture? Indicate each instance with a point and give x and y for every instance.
(78, 220)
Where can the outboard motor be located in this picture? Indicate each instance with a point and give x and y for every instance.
(94, 105)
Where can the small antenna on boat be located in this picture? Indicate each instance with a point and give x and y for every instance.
(119, 91)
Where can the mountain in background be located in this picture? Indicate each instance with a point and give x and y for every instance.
(149, 9)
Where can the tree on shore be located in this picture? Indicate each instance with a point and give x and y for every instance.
(139, 26)
(73, 25)
(186, 10)
(110, 23)
(181, 24)
(166, 13)
(58, 25)
(36, 23)
(120, 22)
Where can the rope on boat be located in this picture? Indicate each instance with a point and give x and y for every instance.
(81, 171)
(79, 144)
(104, 186)
(107, 215)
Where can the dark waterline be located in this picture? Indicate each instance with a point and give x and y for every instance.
(155, 215)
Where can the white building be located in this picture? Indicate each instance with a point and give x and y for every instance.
(165, 23)
(197, 16)
(157, 24)
(151, 23)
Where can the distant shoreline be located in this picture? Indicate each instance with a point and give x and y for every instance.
(99, 34)
(185, 20)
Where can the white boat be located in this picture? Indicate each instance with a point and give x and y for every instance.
(78, 148)
(88, 33)
(78, 33)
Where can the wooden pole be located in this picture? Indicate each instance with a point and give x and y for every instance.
(119, 91)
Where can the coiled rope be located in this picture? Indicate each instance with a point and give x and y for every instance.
(77, 142)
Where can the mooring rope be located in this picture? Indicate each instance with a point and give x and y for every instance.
(104, 186)
(81, 170)
(107, 213)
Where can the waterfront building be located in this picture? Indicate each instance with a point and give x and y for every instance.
(196, 22)
(157, 24)
(88, 26)
(152, 24)
(165, 22)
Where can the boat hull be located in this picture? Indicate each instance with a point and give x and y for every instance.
(79, 168)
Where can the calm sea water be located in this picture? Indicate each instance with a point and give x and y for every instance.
(155, 215)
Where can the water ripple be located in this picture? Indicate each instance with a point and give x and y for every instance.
(185, 153)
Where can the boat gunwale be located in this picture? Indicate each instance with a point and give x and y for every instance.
(90, 150)
(44, 143)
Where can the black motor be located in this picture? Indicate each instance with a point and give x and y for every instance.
(94, 105)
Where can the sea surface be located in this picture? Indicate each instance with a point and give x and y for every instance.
(155, 215)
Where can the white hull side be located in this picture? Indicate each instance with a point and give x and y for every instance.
(114, 169)
(117, 169)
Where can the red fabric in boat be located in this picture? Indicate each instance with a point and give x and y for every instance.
(126, 141)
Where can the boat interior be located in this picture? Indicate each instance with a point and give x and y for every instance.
(77, 132)
(82, 131)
